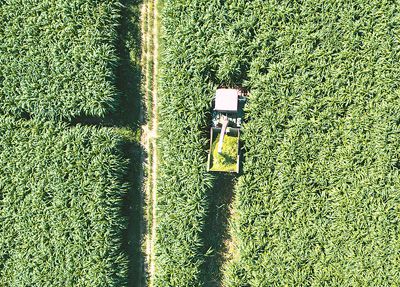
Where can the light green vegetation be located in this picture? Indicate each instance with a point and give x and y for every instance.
(195, 57)
(61, 192)
(182, 180)
(227, 160)
(318, 204)
(69, 196)
(58, 58)
(318, 201)
(199, 52)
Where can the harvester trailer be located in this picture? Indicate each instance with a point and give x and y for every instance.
(227, 115)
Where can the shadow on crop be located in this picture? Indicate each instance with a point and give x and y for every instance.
(215, 235)
(133, 211)
(127, 118)
(128, 74)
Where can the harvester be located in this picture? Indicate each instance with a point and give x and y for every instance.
(227, 115)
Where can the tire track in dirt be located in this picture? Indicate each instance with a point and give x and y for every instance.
(153, 138)
(149, 25)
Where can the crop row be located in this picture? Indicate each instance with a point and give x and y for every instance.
(198, 41)
(182, 179)
(57, 58)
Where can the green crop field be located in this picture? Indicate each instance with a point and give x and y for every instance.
(57, 58)
(61, 192)
(68, 192)
(317, 203)
(196, 57)
(182, 178)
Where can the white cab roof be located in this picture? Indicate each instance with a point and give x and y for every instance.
(226, 100)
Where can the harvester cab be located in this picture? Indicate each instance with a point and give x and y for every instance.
(227, 115)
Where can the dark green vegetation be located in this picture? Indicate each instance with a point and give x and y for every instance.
(57, 58)
(128, 72)
(127, 118)
(61, 195)
(317, 204)
(70, 194)
(215, 233)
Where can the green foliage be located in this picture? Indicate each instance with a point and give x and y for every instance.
(318, 204)
(201, 50)
(57, 58)
(182, 184)
(61, 193)
(62, 188)
(227, 160)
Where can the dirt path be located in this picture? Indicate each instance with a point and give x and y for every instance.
(149, 63)
(154, 139)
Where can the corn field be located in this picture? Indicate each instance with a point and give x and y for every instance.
(61, 193)
(57, 58)
(318, 204)
(195, 58)
(318, 201)
(62, 185)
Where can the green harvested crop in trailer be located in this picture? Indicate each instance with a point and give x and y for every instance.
(61, 192)
(227, 160)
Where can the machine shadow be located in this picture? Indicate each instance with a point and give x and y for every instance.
(133, 211)
(129, 116)
(215, 235)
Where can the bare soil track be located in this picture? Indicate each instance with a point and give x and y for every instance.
(149, 24)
